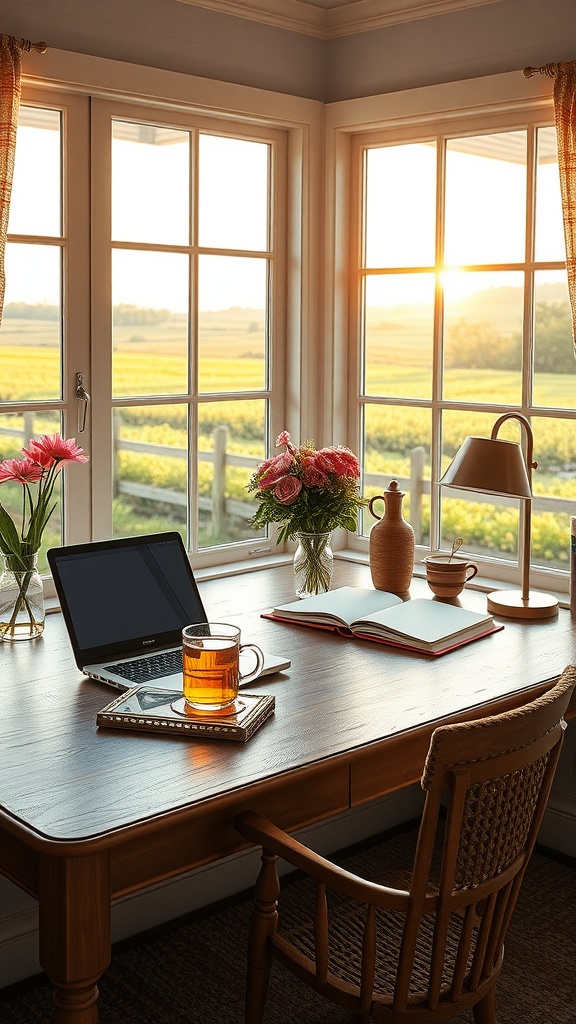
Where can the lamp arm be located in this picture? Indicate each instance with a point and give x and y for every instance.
(530, 465)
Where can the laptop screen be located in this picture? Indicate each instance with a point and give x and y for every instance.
(122, 596)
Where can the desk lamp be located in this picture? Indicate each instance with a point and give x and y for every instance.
(494, 466)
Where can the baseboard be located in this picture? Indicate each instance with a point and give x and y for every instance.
(558, 829)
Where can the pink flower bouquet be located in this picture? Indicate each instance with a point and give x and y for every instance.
(307, 490)
(42, 461)
(21, 592)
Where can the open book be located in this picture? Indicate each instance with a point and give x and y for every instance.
(419, 624)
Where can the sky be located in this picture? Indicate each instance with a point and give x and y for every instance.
(484, 219)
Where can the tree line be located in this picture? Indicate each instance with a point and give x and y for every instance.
(479, 346)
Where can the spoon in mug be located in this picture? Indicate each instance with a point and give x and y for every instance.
(457, 543)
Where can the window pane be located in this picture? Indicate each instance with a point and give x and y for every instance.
(397, 447)
(30, 354)
(485, 199)
(488, 524)
(150, 323)
(231, 443)
(554, 489)
(150, 184)
(483, 337)
(36, 206)
(400, 206)
(398, 330)
(549, 227)
(554, 362)
(15, 433)
(233, 193)
(150, 470)
(232, 323)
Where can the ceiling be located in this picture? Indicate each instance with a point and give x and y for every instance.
(328, 19)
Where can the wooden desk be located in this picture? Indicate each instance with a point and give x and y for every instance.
(87, 815)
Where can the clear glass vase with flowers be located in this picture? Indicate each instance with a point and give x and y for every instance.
(21, 597)
(310, 492)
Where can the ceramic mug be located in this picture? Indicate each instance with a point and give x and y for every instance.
(447, 576)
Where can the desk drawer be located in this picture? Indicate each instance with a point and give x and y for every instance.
(197, 835)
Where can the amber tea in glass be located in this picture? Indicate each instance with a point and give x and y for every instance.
(211, 665)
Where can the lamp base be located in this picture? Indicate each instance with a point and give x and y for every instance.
(511, 604)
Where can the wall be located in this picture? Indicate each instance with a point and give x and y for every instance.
(176, 37)
(504, 35)
(507, 35)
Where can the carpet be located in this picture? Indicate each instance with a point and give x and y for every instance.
(193, 972)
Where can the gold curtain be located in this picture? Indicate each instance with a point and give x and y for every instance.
(10, 70)
(565, 116)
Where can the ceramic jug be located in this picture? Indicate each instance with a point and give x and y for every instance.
(391, 543)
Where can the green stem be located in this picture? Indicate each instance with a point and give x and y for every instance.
(311, 562)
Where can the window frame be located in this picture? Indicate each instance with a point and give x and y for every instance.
(498, 103)
(297, 124)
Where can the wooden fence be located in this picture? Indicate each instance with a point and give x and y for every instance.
(221, 508)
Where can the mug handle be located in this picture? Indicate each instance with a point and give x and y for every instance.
(249, 676)
(473, 573)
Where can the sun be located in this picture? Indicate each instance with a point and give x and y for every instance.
(457, 283)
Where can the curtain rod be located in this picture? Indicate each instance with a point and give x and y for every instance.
(26, 44)
(545, 69)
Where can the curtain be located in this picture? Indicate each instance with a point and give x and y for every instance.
(565, 117)
(10, 70)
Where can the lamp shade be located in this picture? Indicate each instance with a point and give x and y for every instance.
(489, 465)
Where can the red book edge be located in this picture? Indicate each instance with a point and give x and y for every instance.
(349, 635)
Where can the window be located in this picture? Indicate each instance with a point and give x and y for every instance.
(463, 314)
(187, 276)
(31, 351)
(164, 286)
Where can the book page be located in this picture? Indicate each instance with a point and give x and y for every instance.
(426, 620)
(338, 607)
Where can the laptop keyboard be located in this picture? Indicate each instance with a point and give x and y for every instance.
(153, 666)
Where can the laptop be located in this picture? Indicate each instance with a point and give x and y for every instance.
(125, 603)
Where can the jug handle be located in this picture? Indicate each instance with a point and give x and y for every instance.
(377, 497)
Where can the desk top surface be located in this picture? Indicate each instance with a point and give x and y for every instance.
(65, 779)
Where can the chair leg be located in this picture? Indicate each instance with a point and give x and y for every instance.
(262, 926)
(485, 1011)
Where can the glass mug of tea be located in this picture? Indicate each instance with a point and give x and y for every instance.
(211, 665)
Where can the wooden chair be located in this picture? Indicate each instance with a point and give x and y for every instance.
(430, 946)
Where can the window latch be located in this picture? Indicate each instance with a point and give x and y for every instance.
(83, 399)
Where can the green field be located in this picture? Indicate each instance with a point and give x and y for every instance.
(152, 359)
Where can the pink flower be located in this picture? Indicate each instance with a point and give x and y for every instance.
(52, 448)
(25, 471)
(270, 472)
(312, 475)
(287, 489)
(284, 438)
(338, 459)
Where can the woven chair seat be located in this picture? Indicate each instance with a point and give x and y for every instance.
(347, 920)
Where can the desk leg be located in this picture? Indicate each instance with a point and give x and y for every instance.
(74, 910)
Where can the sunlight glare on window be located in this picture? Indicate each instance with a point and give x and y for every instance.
(35, 205)
(233, 198)
(150, 184)
(485, 199)
(400, 206)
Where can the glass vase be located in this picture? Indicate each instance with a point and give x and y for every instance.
(313, 563)
(21, 598)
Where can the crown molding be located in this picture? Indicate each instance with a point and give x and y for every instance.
(334, 21)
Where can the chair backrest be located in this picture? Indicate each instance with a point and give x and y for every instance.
(493, 777)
